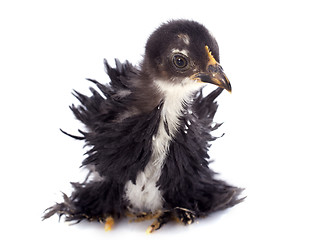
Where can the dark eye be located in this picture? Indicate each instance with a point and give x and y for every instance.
(180, 61)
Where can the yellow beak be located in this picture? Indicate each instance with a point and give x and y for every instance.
(214, 73)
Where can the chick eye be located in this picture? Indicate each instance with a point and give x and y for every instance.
(180, 61)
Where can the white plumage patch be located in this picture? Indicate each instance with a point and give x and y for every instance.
(145, 195)
(185, 38)
(183, 51)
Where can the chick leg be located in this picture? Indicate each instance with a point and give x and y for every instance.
(159, 222)
(185, 216)
(109, 222)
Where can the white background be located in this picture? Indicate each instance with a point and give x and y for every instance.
(272, 53)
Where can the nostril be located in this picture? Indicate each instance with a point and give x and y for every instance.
(213, 68)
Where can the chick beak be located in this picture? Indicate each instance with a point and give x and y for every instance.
(214, 73)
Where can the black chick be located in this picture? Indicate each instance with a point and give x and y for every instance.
(149, 132)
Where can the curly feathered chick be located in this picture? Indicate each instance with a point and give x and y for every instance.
(149, 131)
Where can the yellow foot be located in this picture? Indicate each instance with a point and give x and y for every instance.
(153, 227)
(185, 216)
(109, 222)
(143, 216)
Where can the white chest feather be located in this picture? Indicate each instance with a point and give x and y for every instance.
(145, 195)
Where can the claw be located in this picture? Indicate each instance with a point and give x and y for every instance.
(153, 227)
(109, 222)
(149, 230)
(185, 216)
